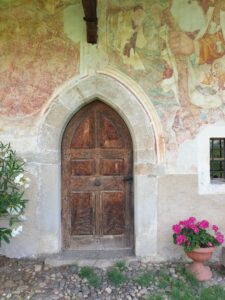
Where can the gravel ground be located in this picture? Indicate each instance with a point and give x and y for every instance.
(32, 279)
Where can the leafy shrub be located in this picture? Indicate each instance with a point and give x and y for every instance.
(13, 183)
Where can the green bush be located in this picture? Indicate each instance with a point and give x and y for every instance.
(13, 183)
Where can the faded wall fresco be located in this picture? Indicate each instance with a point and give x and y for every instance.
(175, 50)
(36, 56)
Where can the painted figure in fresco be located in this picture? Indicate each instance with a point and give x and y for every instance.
(136, 39)
(129, 20)
(195, 36)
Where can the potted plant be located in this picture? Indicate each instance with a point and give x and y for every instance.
(199, 240)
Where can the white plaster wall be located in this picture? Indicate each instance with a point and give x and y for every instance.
(178, 199)
(205, 185)
(160, 198)
(163, 192)
(40, 144)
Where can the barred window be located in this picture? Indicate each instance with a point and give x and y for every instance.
(217, 158)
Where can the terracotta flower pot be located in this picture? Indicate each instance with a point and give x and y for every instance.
(197, 268)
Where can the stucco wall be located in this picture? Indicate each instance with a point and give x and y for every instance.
(178, 198)
(44, 57)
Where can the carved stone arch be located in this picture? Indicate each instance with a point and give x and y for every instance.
(130, 102)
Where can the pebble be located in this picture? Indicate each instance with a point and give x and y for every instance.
(73, 269)
(108, 290)
(37, 268)
(31, 279)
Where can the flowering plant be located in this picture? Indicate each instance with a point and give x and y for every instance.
(193, 234)
(13, 182)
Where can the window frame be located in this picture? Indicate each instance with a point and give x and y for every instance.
(207, 186)
(217, 158)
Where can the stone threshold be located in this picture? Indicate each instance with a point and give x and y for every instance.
(95, 258)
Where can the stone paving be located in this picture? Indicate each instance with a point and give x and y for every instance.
(32, 279)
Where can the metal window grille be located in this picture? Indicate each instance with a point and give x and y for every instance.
(217, 158)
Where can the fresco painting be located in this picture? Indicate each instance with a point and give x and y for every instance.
(175, 50)
(36, 56)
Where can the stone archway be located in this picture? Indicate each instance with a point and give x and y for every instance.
(130, 103)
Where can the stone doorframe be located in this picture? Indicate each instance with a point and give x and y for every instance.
(132, 104)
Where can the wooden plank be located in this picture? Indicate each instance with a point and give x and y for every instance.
(90, 12)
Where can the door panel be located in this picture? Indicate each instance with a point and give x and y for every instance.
(113, 213)
(112, 167)
(83, 137)
(82, 210)
(109, 135)
(82, 167)
(96, 195)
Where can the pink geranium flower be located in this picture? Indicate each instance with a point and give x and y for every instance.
(203, 224)
(192, 220)
(180, 239)
(215, 228)
(220, 238)
(176, 228)
(191, 234)
(182, 223)
(185, 223)
(194, 228)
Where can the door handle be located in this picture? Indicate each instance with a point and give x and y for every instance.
(97, 182)
(128, 178)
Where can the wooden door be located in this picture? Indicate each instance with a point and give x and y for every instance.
(97, 209)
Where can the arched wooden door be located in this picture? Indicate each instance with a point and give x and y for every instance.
(97, 209)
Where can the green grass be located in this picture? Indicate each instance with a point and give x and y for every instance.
(95, 281)
(188, 276)
(92, 278)
(115, 275)
(212, 293)
(145, 279)
(165, 279)
(121, 265)
(156, 296)
(181, 291)
(166, 286)
(183, 288)
(85, 272)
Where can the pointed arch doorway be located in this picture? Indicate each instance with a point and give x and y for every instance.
(97, 170)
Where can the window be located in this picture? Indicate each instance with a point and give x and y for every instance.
(210, 148)
(217, 158)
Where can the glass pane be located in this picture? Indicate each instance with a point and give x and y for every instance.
(217, 147)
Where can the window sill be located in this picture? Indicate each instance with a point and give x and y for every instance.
(217, 181)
